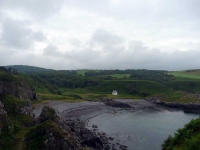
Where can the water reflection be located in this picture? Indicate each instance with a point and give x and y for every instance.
(142, 130)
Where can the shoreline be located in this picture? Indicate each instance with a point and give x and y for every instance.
(77, 114)
(86, 110)
(82, 112)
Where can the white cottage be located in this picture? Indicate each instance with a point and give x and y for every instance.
(114, 92)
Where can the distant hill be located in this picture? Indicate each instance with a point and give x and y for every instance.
(28, 69)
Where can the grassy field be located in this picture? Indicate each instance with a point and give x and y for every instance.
(120, 75)
(81, 72)
(187, 74)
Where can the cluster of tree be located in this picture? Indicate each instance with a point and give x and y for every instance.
(105, 72)
(154, 75)
(140, 74)
(53, 80)
(9, 70)
(71, 79)
(67, 79)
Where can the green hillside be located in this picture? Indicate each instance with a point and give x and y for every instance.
(190, 74)
(84, 84)
(134, 87)
(28, 69)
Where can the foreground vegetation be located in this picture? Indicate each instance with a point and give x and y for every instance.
(187, 138)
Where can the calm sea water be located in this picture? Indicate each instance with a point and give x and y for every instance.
(142, 130)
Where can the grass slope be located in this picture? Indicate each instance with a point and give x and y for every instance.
(120, 75)
(193, 74)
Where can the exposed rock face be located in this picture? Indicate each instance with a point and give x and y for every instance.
(87, 137)
(186, 107)
(3, 117)
(49, 136)
(113, 103)
(2, 109)
(20, 90)
(27, 109)
(75, 129)
(49, 113)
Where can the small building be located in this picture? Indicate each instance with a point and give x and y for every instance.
(114, 92)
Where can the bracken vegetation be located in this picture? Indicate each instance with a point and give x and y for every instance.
(187, 138)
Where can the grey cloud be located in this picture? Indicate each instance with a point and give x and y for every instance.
(51, 50)
(105, 39)
(17, 34)
(150, 12)
(136, 46)
(35, 8)
(180, 9)
(75, 42)
(169, 22)
(38, 36)
(136, 56)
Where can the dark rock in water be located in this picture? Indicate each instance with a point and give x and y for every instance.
(94, 126)
(113, 148)
(186, 107)
(107, 147)
(111, 138)
(113, 103)
(123, 147)
(87, 137)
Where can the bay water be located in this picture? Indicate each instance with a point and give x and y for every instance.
(141, 130)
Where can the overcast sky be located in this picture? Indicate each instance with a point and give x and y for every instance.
(101, 34)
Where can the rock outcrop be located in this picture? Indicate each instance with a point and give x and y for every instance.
(186, 107)
(50, 136)
(2, 109)
(89, 138)
(19, 89)
(72, 130)
(49, 113)
(15, 94)
(113, 103)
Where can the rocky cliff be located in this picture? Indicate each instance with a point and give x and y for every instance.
(55, 133)
(19, 89)
(15, 94)
(2, 109)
